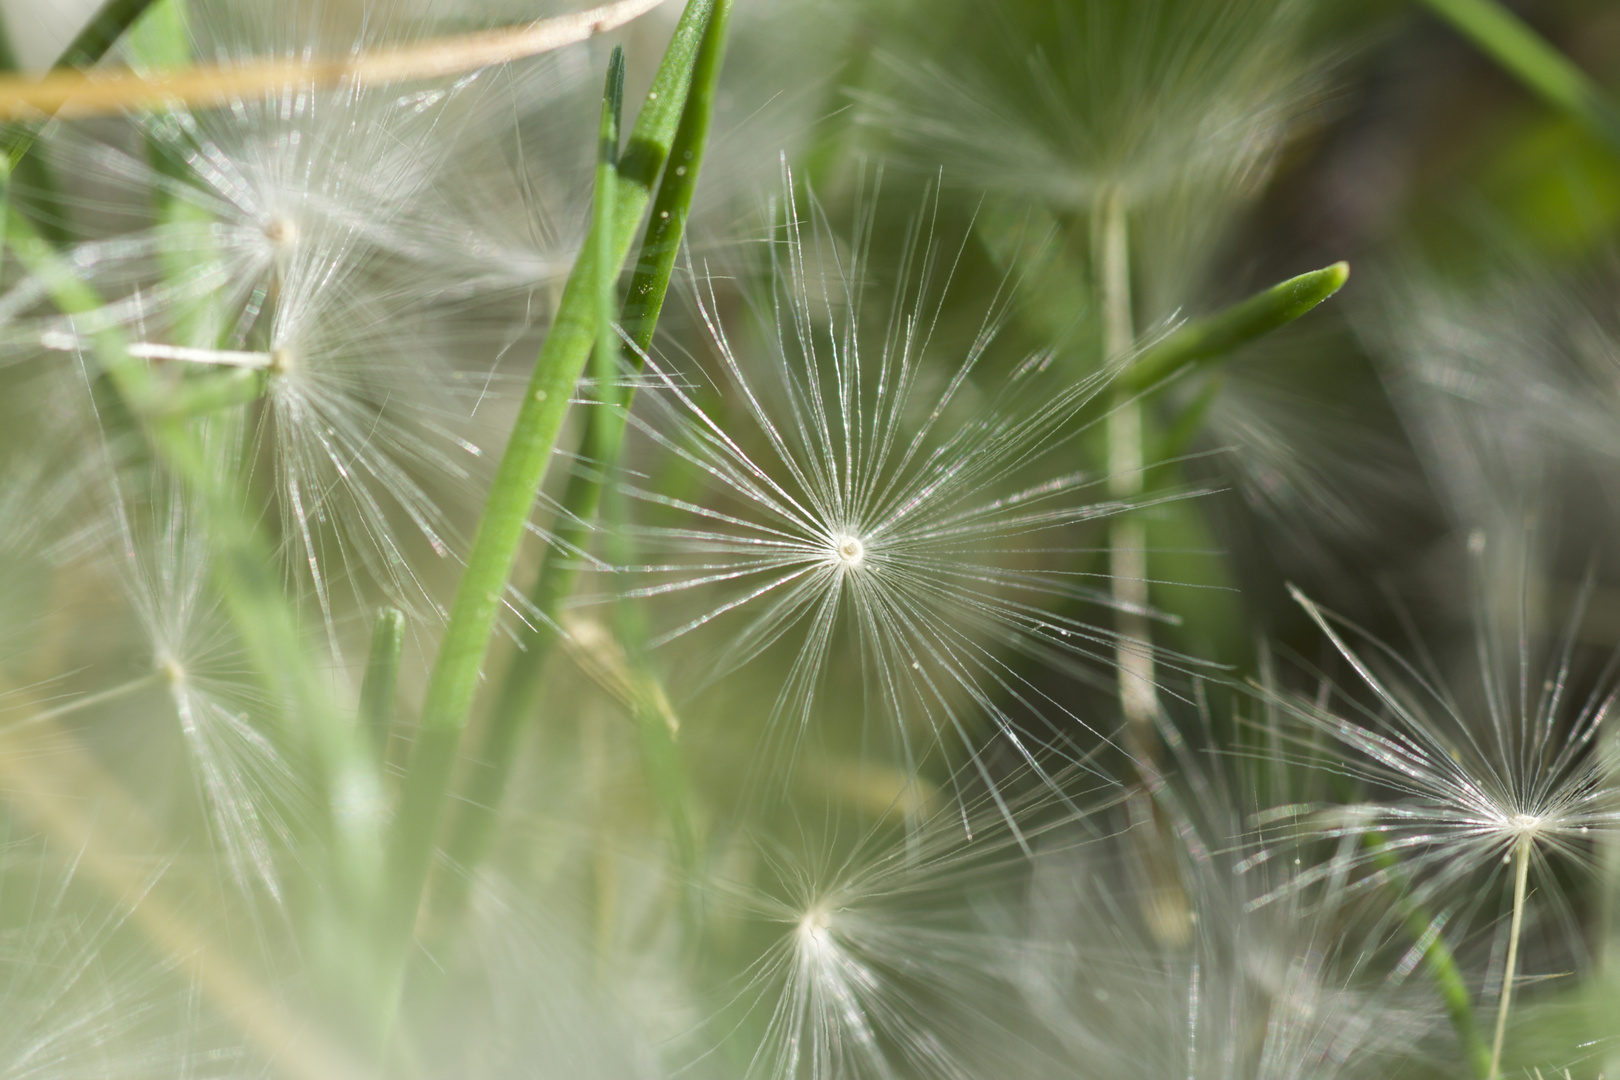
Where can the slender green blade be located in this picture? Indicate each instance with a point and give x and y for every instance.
(567, 349)
(103, 30)
(1213, 337)
(518, 691)
(1526, 55)
(380, 687)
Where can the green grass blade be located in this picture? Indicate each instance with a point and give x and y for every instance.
(379, 689)
(562, 360)
(605, 360)
(1526, 55)
(102, 32)
(517, 696)
(1213, 337)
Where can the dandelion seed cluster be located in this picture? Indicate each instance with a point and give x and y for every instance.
(938, 608)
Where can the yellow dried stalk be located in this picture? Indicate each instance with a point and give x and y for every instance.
(71, 93)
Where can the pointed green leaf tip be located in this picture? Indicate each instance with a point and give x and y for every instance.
(1217, 335)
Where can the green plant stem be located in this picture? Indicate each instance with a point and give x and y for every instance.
(1213, 337)
(659, 752)
(1521, 871)
(568, 347)
(1127, 535)
(491, 766)
(380, 687)
(605, 359)
(1525, 55)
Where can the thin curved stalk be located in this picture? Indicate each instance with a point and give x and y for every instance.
(1521, 871)
(1127, 534)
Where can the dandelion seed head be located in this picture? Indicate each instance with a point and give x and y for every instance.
(879, 964)
(815, 931)
(282, 232)
(171, 670)
(873, 497)
(1456, 790)
(849, 551)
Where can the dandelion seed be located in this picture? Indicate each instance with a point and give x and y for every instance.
(1180, 104)
(248, 787)
(277, 215)
(880, 968)
(69, 1006)
(1476, 779)
(1295, 990)
(1500, 779)
(863, 492)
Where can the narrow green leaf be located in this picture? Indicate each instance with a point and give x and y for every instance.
(103, 30)
(605, 367)
(380, 687)
(1217, 335)
(1526, 55)
(518, 692)
(562, 360)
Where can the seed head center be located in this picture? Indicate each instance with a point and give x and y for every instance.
(171, 670)
(1525, 824)
(282, 232)
(815, 929)
(849, 550)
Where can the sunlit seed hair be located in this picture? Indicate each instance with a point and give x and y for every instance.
(878, 964)
(1069, 101)
(251, 792)
(1144, 954)
(1177, 109)
(73, 1002)
(1507, 383)
(871, 511)
(1457, 776)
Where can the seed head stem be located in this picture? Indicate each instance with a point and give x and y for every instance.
(1521, 869)
(1127, 539)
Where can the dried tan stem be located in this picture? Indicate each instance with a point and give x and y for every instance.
(100, 92)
